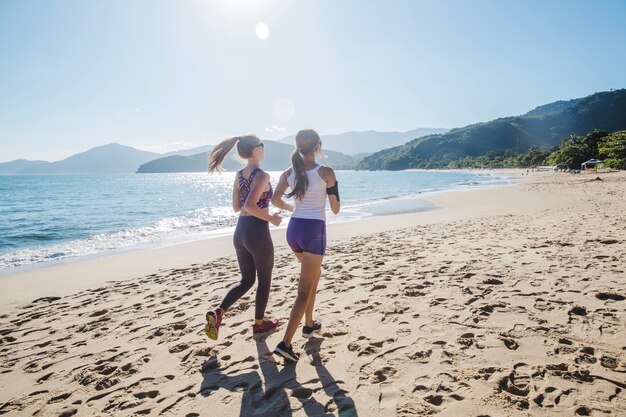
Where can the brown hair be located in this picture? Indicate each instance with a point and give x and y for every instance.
(245, 147)
(307, 142)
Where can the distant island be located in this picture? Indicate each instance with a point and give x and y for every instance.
(116, 158)
(107, 159)
(277, 158)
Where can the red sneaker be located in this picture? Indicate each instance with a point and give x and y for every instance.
(265, 326)
(214, 321)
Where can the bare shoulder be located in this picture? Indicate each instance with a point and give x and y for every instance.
(262, 176)
(286, 173)
(327, 174)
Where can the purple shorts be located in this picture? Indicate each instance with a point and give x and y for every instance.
(307, 235)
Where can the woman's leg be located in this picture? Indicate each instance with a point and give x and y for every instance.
(320, 238)
(261, 247)
(246, 267)
(248, 272)
(308, 316)
(309, 276)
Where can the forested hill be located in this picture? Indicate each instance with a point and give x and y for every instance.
(545, 126)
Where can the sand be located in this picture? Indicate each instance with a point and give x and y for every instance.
(505, 302)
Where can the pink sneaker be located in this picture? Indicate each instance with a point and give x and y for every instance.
(265, 327)
(214, 321)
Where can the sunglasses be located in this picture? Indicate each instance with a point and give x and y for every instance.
(260, 145)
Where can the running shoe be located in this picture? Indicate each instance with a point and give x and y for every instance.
(214, 321)
(265, 327)
(286, 352)
(308, 331)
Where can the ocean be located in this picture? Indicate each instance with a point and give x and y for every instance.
(47, 219)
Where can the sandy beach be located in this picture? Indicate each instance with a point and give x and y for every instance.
(504, 302)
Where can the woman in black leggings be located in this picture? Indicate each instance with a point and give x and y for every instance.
(252, 193)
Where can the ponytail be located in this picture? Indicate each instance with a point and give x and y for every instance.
(219, 153)
(245, 148)
(302, 181)
(308, 142)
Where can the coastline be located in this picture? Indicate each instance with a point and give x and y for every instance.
(506, 301)
(172, 226)
(55, 278)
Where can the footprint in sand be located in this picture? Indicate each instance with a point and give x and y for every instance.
(550, 397)
(583, 411)
(421, 356)
(577, 311)
(610, 296)
(404, 331)
(609, 362)
(364, 347)
(565, 347)
(171, 331)
(518, 381)
(510, 343)
(441, 390)
(382, 374)
(486, 373)
(587, 356)
(466, 340)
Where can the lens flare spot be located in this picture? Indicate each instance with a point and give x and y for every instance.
(262, 31)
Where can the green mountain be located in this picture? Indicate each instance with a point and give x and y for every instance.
(551, 108)
(543, 127)
(277, 158)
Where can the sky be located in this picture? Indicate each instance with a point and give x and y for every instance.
(162, 75)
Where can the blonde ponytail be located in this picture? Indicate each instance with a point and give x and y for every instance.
(245, 147)
(219, 153)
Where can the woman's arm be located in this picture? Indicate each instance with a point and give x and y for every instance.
(331, 184)
(279, 192)
(236, 199)
(258, 187)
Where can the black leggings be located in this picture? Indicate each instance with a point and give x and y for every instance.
(255, 254)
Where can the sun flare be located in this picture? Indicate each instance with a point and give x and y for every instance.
(262, 31)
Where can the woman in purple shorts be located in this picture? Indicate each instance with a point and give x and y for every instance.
(311, 185)
(252, 193)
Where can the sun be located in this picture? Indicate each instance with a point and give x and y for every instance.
(262, 31)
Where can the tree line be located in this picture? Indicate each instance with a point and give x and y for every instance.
(572, 151)
(560, 132)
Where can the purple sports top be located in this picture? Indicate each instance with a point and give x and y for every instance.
(245, 187)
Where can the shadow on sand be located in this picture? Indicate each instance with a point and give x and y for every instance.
(269, 395)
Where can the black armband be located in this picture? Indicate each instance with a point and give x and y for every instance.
(334, 190)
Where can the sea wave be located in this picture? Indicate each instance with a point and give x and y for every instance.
(140, 211)
(198, 222)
